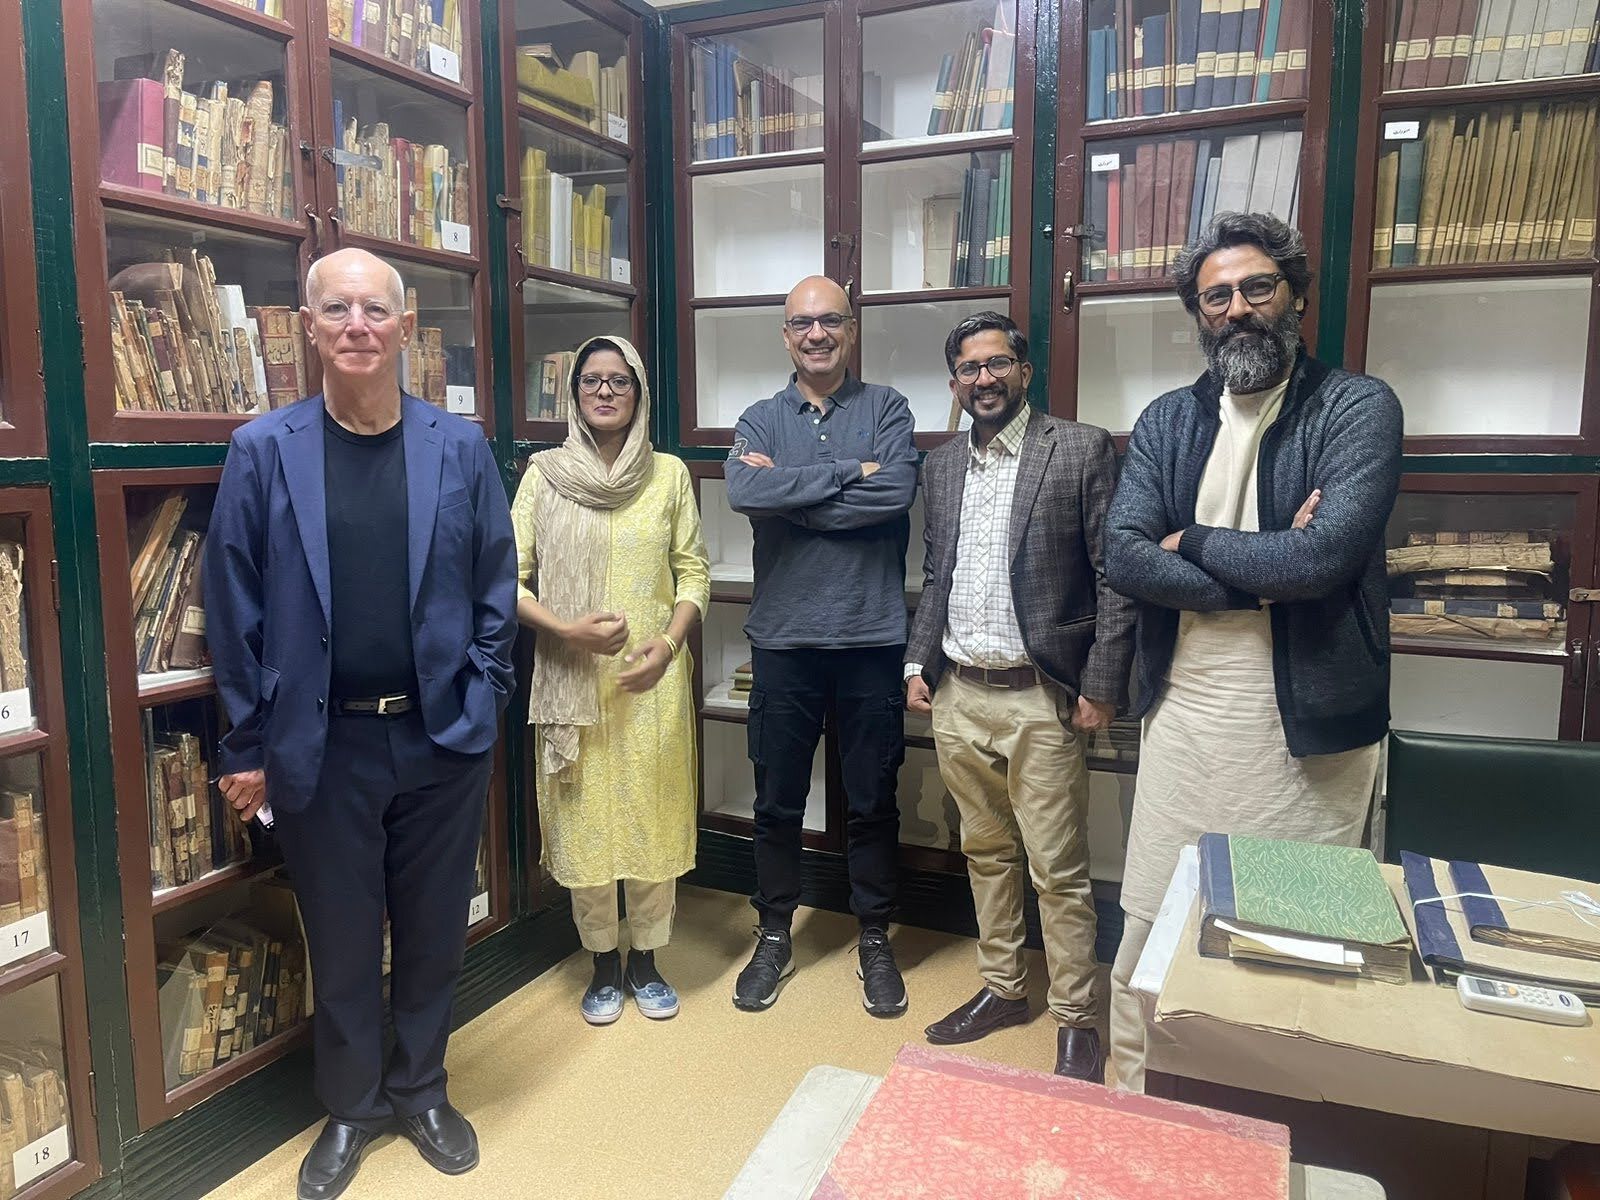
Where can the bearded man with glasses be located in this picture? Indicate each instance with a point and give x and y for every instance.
(826, 471)
(1249, 524)
(1019, 647)
(360, 588)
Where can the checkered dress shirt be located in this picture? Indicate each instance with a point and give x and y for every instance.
(981, 627)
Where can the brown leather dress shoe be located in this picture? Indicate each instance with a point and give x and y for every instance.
(977, 1018)
(1078, 1054)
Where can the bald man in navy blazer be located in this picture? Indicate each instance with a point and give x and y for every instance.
(360, 603)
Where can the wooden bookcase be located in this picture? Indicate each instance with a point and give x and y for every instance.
(1121, 336)
(42, 999)
(857, 189)
(1487, 351)
(266, 249)
(560, 304)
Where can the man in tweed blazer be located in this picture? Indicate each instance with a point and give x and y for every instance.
(1018, 647)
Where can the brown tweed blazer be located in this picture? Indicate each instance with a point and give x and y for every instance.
(1078, 632)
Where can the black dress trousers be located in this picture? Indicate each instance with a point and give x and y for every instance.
(394, 825)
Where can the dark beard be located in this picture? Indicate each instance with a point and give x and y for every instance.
(1250, 355)
(994, 425)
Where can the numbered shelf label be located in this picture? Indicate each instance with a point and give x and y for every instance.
(16, 710)
(24, 938)
(478, 910)
(446, 64)
(456, 236)
(459, 398)
(1402, 131)
(616, 127)
(41, 1157)
(621, 271)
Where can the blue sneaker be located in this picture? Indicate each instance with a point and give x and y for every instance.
(602, 1000)
(656, 998)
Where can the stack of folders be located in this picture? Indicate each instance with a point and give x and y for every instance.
(1517, 926)
(1300, 904)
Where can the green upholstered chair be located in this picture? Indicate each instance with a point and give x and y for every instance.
(1531, 805)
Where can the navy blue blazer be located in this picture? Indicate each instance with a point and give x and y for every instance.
(267, 594)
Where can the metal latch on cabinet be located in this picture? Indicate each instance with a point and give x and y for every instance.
(1584, 595)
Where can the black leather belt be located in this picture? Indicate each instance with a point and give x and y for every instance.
(999, 677)
(376, 706)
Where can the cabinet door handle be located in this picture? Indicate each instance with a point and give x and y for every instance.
(1576, 661)
(522, 260)
(333, 220)
(316, 227)
(850, 291)
(1069, 290)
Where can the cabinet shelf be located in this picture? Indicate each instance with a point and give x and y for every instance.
(1541, 268)
(1555, 87)
(566, 127)
(582, 283)
(750, 162)
(30, 971)
(23, 741)
(169, 687)
(934, 296)
(215, 1080)
(209, 884)
(1528, 652)
(239, 15)
(898, 149)
(448, 260)
(159, 204)
(434, 85)
(1190, 122)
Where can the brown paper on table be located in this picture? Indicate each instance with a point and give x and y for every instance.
(1412, 1050)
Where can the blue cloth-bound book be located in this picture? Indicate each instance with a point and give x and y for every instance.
(1155, 63)
(1097, 75)
(1188, 51)
(1269, 45)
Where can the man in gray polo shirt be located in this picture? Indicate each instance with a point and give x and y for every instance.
(826, 471)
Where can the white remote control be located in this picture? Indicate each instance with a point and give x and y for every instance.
(1528, 1001)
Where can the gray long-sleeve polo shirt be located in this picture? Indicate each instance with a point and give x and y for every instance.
(830, 546)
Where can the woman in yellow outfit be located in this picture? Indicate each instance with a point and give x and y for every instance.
(612, 574)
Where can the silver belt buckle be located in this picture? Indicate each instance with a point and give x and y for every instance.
(383, 704)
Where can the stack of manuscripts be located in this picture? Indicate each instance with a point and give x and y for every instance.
(1184, 55)
(182, 342)
(744, 679)
(169, 631)
(546, 394)
(230, 987)
(1117, 743)
(393, 188)
(13, 620)
(33, 1102)
(1143, 211)
(966, 239)
(1442, 43)
(976, 88)
(1508, 183)
(24, 860)
(192, 830)
(1493, 584)
(423, 364)
(741, 107)
(401, 30)
(220, 148)
(583, 91)
(568, 227)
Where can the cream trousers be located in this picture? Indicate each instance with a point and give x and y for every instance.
(651, 907)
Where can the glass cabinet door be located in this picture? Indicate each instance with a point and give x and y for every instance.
(21, 388)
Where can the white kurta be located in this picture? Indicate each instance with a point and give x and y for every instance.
(1213, 757)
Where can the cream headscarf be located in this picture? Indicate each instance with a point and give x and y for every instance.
(574, 551)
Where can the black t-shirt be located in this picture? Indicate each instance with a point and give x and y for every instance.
(368, 522)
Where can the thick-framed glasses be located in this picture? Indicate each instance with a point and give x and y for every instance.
(999, 367)
(621, 385)
(832, 322)
(1256, 290)
(337, 312)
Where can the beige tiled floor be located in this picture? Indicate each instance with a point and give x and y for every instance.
(663, 1110)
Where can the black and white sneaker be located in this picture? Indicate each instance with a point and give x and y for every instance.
(883, 991)
(763, 976)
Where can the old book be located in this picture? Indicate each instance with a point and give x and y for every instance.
(27, 839)
(1161, 207)
(1527, 556)
(131, 131)
(1577, 239)
(1448, 238)
(1437, 136)
(1237, 172)
(1465, 626)
(1502, 127)
(1002, 1129)
(1144, 211)
(258, 137)
(1494, 14)
(1205, 69)
(152, 535)
(1300, 904)
(13, 650)
(1518, 45)
(1539, 610)
(1530, 127)
(1441, 48)
(1264, 172)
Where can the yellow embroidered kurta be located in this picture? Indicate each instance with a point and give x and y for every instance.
(627, 808)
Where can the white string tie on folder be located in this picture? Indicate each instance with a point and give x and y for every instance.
(1573, 903)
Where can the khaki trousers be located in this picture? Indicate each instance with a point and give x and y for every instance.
(651, 907)
(1127, 1016)
(1020, 784)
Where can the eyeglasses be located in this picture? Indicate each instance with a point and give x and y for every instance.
(832, 322)
(337, 312)
(999, 366)
(621, 385)
(1256, 290)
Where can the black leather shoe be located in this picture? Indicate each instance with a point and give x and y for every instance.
(977, 1018)
(444, 1137)
(332, 1161)
(1078, 1054)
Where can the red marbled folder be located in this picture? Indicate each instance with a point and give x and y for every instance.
(947, 1127)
